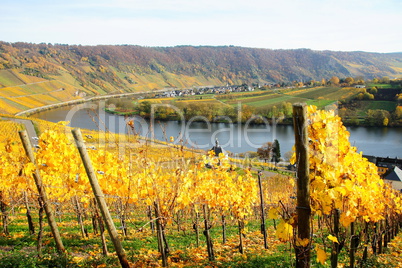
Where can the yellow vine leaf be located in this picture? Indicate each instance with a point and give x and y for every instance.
(273, 213)
(284, 231)
(302, 242)
(321, 255)
(292, 182)
(333, 238)
(293, 158)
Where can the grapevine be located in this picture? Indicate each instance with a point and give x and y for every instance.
(137, 177)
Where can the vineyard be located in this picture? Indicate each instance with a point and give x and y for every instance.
(20, 92)
(111, 199)
(326, 95)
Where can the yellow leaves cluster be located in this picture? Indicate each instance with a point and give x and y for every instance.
(219, 187)
(340, 177)
(13, 179)
(278, 188)
(169, 176)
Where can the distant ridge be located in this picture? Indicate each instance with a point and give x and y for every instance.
(106, 69)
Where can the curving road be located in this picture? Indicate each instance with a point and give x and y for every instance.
(28, 126)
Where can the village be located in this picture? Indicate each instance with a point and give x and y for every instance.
(171, 93)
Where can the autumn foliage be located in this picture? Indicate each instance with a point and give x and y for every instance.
(135, 176)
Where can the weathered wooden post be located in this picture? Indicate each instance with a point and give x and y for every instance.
(353, 246)
(42, 193)
(223, 220)
(335, 246)
(300, 124)
(159, 234)
(100, 198)
(211, 254)
(263, 227)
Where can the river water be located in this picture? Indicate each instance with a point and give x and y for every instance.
(236, 138)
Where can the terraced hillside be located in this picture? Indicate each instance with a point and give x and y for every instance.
(34, 75)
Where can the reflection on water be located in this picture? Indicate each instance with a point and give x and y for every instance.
(235, 138)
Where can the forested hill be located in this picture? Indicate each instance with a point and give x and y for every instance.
(106, 68)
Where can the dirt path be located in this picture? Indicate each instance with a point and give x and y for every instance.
(28, 126)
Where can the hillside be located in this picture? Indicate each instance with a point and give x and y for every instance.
(38, 74)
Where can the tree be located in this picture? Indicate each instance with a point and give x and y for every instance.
(145, 108)
(377, 117)
(398, 112)
(287, 109)
(373, 90)
(288, 155)
(265, 151)
(276, 152)
(334, 80)
(385, 80)
(246, 112)
(368, 96)
(349, 80)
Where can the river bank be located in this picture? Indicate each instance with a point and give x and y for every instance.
(236, 138)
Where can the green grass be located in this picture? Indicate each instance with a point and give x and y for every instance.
(276, 260)
(328, 93)
(19, 249)
(364, 106)
(320, 103)
(389, 106)
(27, 260)
(260, 101)
(378, 85)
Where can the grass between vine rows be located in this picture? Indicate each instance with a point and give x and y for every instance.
(19, 248)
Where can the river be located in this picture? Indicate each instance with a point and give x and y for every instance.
(236, 138)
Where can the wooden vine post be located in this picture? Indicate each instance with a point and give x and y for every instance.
(223, 219)
(159, 234)
(211, 254)
(195, 227)
(300, 124)
(263, 227)
(28, 214)
(42, 193)
(353, 246)
(100, 198)
(335, 246)
(241, 227)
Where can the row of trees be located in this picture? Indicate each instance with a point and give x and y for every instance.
(339, 81)
(213, 112)
(216, 112)
(377, 117)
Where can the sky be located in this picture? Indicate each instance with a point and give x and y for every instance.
(338, 25)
